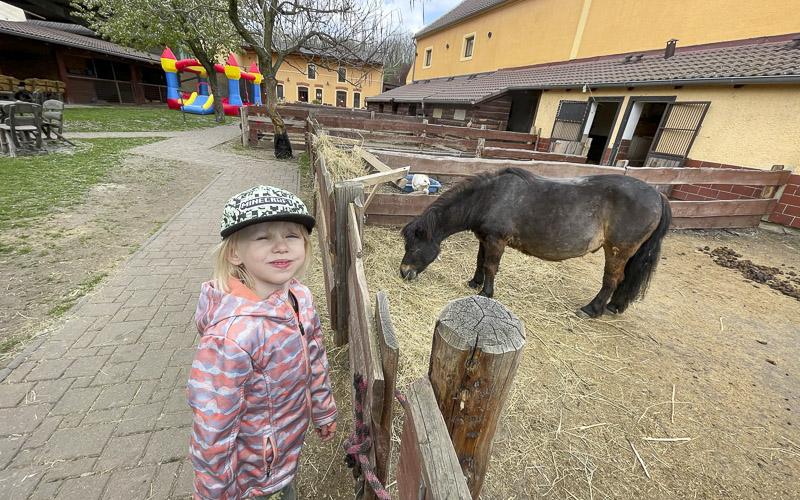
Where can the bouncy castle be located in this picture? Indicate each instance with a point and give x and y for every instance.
(201, 101)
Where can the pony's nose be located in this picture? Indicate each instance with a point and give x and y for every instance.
(407, 273)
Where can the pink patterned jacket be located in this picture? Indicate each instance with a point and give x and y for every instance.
(255, 381)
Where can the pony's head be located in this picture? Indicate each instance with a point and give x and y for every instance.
(421, 249)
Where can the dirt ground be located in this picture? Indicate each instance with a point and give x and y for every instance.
(587, 391)
(60, 256)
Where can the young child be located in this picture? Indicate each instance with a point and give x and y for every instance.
(260, 370)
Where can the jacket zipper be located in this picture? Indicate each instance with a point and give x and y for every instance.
(296, 309)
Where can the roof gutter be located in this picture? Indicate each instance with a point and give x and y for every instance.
(763, 80)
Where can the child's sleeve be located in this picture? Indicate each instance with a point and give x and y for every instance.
(323, 407)
(215, 393)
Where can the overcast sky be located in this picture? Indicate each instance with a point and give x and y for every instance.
(412, 15)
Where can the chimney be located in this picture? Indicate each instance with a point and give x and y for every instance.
(670, 50)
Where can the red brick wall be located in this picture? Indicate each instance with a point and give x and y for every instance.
(786, 212)
(544, 143)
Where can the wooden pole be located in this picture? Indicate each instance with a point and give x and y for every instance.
(477, 344)
(344, 193)
(245, 126)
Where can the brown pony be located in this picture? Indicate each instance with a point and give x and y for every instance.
(553, 219)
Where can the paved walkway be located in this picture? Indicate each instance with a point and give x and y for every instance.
(98, 409)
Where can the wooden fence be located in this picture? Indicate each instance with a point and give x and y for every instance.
(380, 128)
(395, 209)
(425, 449)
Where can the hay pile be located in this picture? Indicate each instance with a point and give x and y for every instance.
(578, 413)
(340, 161)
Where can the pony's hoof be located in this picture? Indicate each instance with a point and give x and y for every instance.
(581, 314)
(473, 284)
(611, 310)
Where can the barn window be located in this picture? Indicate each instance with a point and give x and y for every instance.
(426, 63)
(460, 114)
(467, 47)
(437, 112)
(568, 125)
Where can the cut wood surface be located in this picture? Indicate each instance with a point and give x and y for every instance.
(427, 456)
(380, 177)
(720, 208)
(477, 344)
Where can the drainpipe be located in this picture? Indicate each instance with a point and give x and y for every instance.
(414, 64)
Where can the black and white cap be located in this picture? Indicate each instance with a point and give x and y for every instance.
(263, 204)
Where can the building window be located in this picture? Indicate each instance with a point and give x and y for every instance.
(426, 62)
(341, 98)
(342, 75)
(302, 94)
(467, 47)
(319, 95)
(460, 114)
(312, 72)
(280, 91)
(437, 112)
(356, 100)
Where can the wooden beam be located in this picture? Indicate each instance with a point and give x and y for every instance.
(380, 177)
(389, 349)
(722, 208)
(428, 467)
(709, 176)
(715, 222)
(371, 159)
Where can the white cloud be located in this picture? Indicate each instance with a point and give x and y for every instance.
(411, 12)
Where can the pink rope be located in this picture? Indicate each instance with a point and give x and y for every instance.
(357, 445)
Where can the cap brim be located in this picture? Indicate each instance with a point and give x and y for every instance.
(306, 220)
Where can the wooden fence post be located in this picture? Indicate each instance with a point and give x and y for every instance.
(344, 193)
(245, 126)
(477, 344)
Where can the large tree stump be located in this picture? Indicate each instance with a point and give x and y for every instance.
(476, 349)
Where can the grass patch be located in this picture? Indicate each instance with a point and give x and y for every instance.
(9, 344)
(75, 295)
(35, 186)
(130, 119)
(305, 164)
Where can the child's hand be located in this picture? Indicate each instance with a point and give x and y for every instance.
(327, 431)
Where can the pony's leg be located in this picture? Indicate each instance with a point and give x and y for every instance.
(477, 279)
(613, 274)
(493, 252)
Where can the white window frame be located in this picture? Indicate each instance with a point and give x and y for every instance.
(427, 57)
(464, 40)
(321, 93)
(339, 77)
(311, 68)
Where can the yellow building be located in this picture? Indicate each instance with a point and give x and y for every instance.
(485, 35)
(303, 81)
(682, 83)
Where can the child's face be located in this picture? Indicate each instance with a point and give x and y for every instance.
(272, 253)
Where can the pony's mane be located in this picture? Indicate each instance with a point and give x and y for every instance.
(426, 223)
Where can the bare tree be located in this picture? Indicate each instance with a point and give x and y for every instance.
(331, 33)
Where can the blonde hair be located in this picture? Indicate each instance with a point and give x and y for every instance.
(224, 270)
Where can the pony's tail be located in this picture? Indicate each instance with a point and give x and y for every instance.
(640, 268)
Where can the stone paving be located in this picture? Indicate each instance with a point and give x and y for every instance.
(97, 408)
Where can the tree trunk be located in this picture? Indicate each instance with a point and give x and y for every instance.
(283, 147)
(208, 65)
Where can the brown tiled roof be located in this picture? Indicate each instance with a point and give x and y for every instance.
(68, 27)
(772, 60)
(457, 13)
(47, 34)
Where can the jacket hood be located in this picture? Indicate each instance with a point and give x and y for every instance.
(216, 306)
